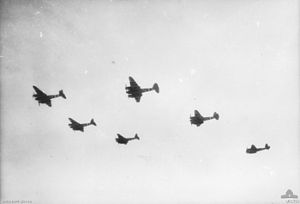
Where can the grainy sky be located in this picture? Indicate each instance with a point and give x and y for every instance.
(238, 58)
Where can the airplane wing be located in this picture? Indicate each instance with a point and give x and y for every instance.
(74, 122)
(49, 103)
(39, 92)
(138, 98)
(197, 114)
(120, 136)
(133, 82)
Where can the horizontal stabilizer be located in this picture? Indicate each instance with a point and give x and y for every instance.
(61, 93)
(156, 88)
(136, 136)
(93, 122)
(216, 116)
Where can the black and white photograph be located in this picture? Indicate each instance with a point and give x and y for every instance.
(149, 101)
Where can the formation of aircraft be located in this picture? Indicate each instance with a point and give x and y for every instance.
(123, 140)
(198, 119)
(80, 126)
(136, 92)
(41, 97)
(254, 149)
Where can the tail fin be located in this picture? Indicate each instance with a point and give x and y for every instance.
(136, 137)
(216, 116)
(61, 93)
(155, 87)
(93, 122)
(267, 146)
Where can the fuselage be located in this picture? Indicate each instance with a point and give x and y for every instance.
(134, 91)
(199, 120)
(45, 99)
(123, 140)
(196, 120)
(253, 151)
(79, 127)
(42, 99)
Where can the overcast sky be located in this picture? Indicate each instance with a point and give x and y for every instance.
(238, 58)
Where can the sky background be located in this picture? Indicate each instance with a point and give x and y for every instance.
(238, 58)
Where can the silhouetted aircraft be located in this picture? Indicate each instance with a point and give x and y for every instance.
(124, 140)
(41, 97)
(253, 149)
(198, 119)
(77, 126)
(136, 92)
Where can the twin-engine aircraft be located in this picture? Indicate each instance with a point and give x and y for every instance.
(198, 119)
(253, 149)
(78, 126)
(124, 140)
(41, 97)
(136, 92)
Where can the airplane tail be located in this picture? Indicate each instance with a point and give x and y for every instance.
(93, 122)
(61, 93)
(155, 87)
(216, 116)
(136, 136)
(267, 146)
